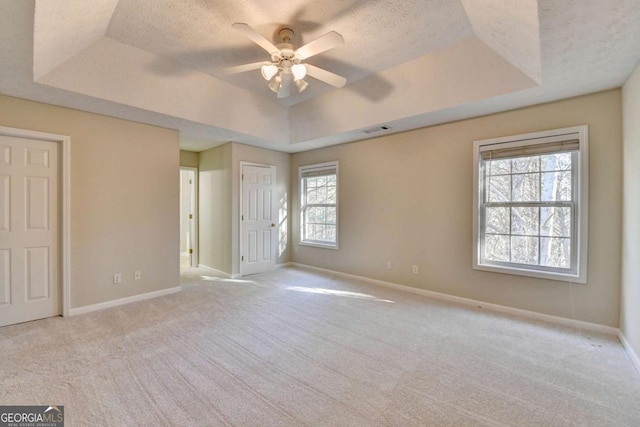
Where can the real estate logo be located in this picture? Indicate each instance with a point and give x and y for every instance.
(31, 416)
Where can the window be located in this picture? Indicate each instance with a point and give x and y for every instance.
(530, 204)
(319, 205)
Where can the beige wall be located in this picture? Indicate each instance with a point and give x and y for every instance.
(630, 308)
(124, 199)
(189, 158)
(407, 198)
(214, 201)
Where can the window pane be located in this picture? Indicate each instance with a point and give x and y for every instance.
(320, 223)
(524, 250)
(329, 233)
(497, 220)
(310, 231)
(331, 194)
(496, 248)
(555, 222)
(498, 167)
(555, 252)
(330, 215)
(312, 196)
(499, 189)
(322, 195)
(556, 186)
(526, 164)
(524, 221)
(312, 215)
(322, 233)
(526, 187)
(315, 215)
(556, 162)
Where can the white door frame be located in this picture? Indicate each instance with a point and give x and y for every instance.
(274, 208)
(194, 205)
(65, 205)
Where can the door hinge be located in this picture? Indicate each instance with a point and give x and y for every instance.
(190, 182)
(190, 251)
(242, 217)
(242, 257)
(190, 216)
(243, 177)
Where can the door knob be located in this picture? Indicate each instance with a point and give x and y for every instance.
(273, 225)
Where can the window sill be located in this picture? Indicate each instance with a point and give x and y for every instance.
(574, 278)
(319, 245)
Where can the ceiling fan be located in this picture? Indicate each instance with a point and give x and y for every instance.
(286, 66)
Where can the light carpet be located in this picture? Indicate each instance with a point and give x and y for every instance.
(294, 347)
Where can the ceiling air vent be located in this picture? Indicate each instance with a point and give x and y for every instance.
(376, 129)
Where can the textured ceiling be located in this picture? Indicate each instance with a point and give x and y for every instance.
(409, 63)
(378, 34)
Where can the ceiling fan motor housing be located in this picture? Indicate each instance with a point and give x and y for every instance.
(287, 58)
(286, 34)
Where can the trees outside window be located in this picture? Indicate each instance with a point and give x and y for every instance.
(531, 204)
(319, 205)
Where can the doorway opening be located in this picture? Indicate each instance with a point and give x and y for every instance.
(188, 217)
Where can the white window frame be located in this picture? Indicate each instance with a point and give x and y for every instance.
(581, 189)
(301, 171)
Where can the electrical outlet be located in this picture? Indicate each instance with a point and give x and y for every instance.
(137, 275)
(415, 269)
(117, 278)
(389, 265)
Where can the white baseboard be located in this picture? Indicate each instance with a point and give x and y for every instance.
(122, 301)
(630, 351)
(284, 265)
(579, 324)
(218, 272)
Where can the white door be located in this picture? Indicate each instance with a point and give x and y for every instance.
(258, 249)
(29, 230)
(188, 215)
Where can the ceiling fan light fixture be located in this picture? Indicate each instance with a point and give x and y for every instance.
(299, 71)
(268, 71)
(275, 84)
(301, 85)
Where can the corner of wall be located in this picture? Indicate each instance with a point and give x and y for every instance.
(630, 282)
(189, 159)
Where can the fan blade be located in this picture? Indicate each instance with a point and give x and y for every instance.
(325, 76)
(285, 86)
(246, 67)
(256, 37)
(319, 45)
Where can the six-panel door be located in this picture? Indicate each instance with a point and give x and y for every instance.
(258, 219)
(29, 230)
